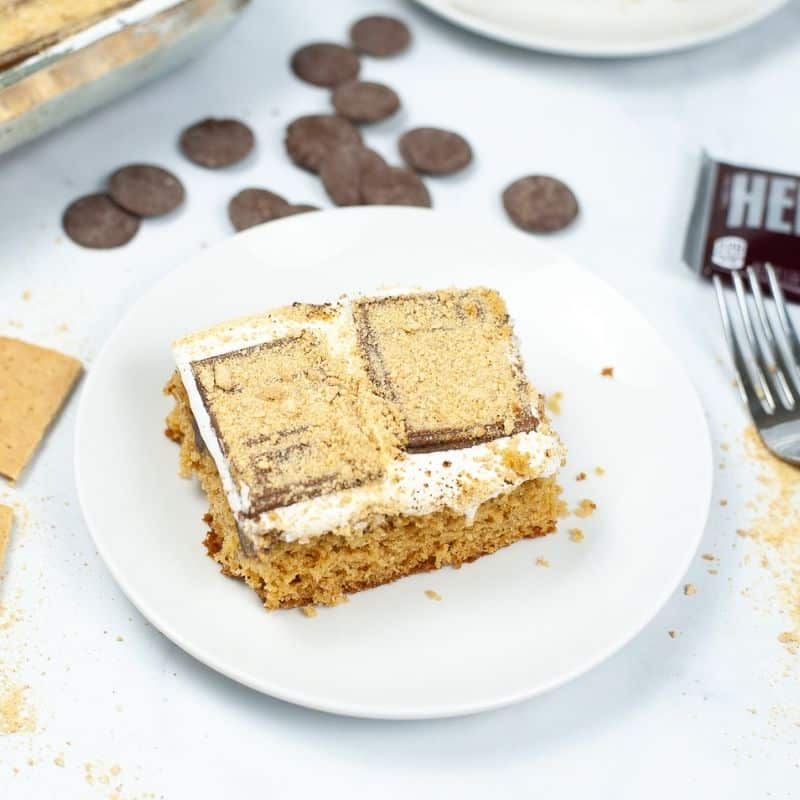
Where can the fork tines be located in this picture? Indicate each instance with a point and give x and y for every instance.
(766, 356)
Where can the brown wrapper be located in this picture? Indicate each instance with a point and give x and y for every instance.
(745, 216)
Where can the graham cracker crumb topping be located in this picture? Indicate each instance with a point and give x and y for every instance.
(449, 361)
(293, 421)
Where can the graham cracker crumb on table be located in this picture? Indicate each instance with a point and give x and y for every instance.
(689, 589)
(541, 561)
(6, 520)
(576, 535)
(775, 529)
(15, 715)
(708, 557)
(26, 295)
(672, 634)
(585, 508)
(59, 760)
(723, 502)
(432, 594)
(792, 641)
(309, 611)
(554, 402)
(581, 476)
(599, 471)
(607, 372)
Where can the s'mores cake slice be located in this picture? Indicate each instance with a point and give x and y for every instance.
(347, 445)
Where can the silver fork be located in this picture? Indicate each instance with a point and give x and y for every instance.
(767, 361)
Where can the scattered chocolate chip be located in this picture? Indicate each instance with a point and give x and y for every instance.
(145, 190)
(215, 143)
(309, 139)
(325, 64)
(365, 101)
(253, 206)
(342, 173)
(540, 204)
(395, 187)
(380, 36)
(435, 151)
(97, 221)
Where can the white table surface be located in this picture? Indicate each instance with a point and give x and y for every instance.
(713, 712)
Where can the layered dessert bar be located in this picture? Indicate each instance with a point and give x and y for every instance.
(343, 446)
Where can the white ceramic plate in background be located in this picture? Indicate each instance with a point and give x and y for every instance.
(505, 629)
(604, 28)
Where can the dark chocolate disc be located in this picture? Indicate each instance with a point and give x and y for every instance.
(325, 64)
(253, 206)
(97, 221)
(215, 143)
(309, 139)
(343, 170)
(540, 204)
(365, 101)
(396, 186)
(435, 151)
(146, 190)
(380, 36)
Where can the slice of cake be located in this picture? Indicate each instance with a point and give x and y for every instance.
(347, 445)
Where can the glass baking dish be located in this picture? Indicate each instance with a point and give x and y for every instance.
(106, 59)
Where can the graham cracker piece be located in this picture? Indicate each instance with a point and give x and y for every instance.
(6, 518)
(34, 382)
(294, 422)
(449, 361)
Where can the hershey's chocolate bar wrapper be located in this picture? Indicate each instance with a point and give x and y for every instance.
(745, 216)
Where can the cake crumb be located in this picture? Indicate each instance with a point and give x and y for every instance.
(672, 634)
(309, 611)
(708, 557)
(607, 372)
(26, 295)
(432, 594)
(689, 589)
(723, 502)
(585, 508)
(554, 402)
(541, 561)
(581, 476)
(59, 760)
(576, 535)
(599, 471)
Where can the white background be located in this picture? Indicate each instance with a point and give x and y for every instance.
(713, 712)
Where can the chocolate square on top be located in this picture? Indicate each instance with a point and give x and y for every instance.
(290, 421)
(449, 361)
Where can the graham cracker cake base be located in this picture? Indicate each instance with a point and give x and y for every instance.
(329, 567)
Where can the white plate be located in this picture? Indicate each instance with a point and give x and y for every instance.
(604, 28)
(506, 629)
